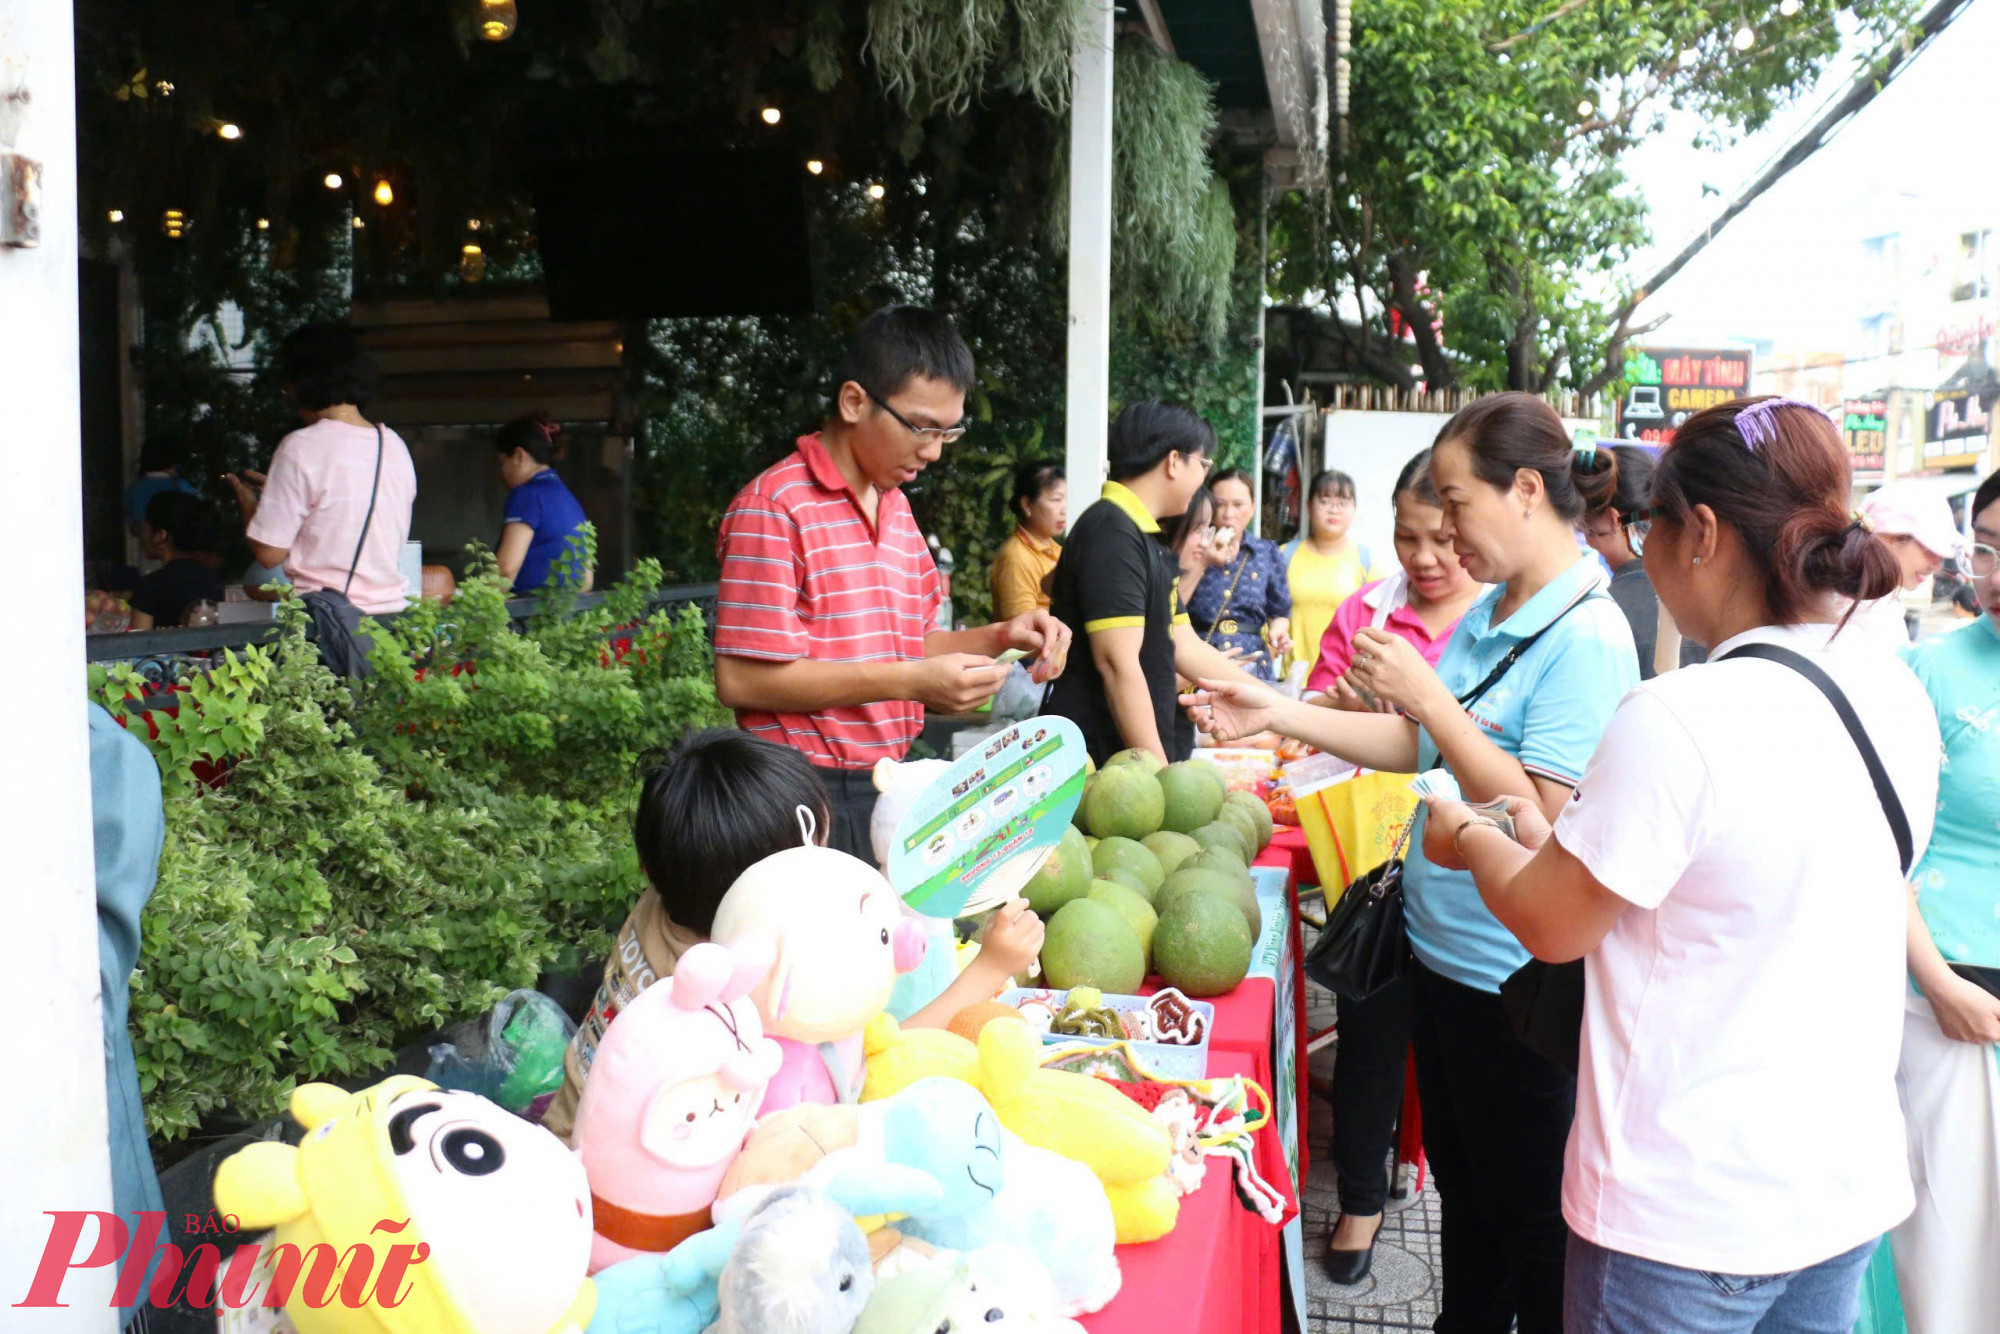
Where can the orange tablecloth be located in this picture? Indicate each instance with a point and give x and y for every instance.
(1219, 1268)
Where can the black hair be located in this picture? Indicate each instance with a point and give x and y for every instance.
(1330, 481)
(538, 433)
(1508, 432)
(1416, 479)
(1233, 475)
(160, 453)
(324, 364)
(1634, 488)
(720, 801)
(187, 519)
(1199, 513)
(1987, 494)
(1030, 480)
(1145, 432)
(900, 343)
(1786, 500)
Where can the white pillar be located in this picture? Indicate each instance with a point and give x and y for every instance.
(53, 1151)
(1087, 409)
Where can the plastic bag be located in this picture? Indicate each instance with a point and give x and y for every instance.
(512, 1054)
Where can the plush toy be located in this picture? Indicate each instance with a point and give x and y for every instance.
(680, 1292)
(801, 1267)
(1086, 1120)
(898, 1057)
(899, 786)
(673, 1090)
(951, 1296)
(841, 940)
(497, 1208)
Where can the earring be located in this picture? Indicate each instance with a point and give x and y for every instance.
(1697, 560)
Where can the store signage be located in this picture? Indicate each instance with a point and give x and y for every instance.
(1864, 425)
(1667, 385)
(1957, 428)
(1965, 339)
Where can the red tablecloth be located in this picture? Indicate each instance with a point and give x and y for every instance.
(1288, 849)
(1219, 1268)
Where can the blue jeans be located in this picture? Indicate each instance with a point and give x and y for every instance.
(1609, 1292)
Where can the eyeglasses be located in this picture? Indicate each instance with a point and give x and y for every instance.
(1207, 463)
(1337, 502)
(943, 435)
(1638, 525)
(1978, 561)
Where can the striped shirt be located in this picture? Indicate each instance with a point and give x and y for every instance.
(804, 576)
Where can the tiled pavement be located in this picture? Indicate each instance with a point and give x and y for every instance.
(1401, 1293)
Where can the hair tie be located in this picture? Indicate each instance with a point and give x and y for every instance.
(1587, 447)
(1757, 424)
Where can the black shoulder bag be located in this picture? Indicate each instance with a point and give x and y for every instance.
(1363, 946)
(1544, 1001)
(336, 622)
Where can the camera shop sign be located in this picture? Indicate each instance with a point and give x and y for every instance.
(1667, 385)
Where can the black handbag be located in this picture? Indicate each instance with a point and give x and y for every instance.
(1544, 1001)
(1364, 946)
(334, 623)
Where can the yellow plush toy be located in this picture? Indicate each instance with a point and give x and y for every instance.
(898, 1057)
(496, 1211)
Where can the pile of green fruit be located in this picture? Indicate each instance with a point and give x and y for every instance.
(1153, 875)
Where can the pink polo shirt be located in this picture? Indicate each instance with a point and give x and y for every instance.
(315, 499)
(1336, 646)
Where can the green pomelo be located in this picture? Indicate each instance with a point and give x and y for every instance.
(1124, 802)
(1076, 816)
(1235, 890)
(1192, 798)
(1133, 907)
(1128, 855)
(1221, 833)
(1219, 859)
(1120, 876)
(1258, 812)
(1090, 945)
(1172, 849)
(1063, 877)
(1243, 823)
(1201, 945)
(1139, 756)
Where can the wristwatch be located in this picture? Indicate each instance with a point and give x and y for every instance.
(1459, 832)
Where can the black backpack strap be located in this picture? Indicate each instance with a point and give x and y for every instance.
(374, 488)
(1892, 805)
(1506, 664)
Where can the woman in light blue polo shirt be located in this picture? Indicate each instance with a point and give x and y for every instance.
(1515, 707)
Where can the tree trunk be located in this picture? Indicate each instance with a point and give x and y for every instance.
(1439, 373)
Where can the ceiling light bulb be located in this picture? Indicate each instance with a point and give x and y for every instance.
(1745, 38)
(1584, 108)
(1788, 7)
(469, 250)
(263, 224)
(116, 215)
(229, 131)
(333, 181)
(772, 115)
(359, 224)
(876, 192)
(472, 224)
(815, 166)
(385, 193)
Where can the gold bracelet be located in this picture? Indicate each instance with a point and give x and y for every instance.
(1459, 832)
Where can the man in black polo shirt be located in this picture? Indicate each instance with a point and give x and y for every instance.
(1118, 581)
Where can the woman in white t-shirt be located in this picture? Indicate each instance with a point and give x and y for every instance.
(1728, 872)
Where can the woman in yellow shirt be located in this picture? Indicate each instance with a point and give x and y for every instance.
(1025, 561)
(1324, 565)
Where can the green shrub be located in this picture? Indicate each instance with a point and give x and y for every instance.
(392, 856)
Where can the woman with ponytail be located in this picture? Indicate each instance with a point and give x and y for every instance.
(1517, 701)
(1731, 869)
(542, 538)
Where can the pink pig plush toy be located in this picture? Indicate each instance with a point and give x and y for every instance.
(842, 939)
(672, 1094)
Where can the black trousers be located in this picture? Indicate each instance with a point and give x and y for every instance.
(850, 796)
(1496, 1117)
(1368, 1070)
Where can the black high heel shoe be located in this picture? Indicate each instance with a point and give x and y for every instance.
(1348, 1268)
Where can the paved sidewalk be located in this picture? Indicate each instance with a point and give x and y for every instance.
(1402, 1292)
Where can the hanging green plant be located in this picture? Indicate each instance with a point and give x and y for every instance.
(932, 55)
(1045, 37)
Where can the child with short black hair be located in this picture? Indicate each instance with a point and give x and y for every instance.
(719, 802)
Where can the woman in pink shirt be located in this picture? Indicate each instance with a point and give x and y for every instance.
(1421, 602)
(335, 511)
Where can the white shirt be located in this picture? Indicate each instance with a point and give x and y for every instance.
(1879, 623)
(1736, 1108)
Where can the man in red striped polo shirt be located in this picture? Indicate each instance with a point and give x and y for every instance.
(825, 627)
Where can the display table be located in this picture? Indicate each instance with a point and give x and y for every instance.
(1219, 1268)
(1288, 849)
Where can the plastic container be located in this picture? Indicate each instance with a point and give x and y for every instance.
(1166, 1059)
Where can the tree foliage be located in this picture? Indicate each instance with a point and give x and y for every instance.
(1483, 211)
